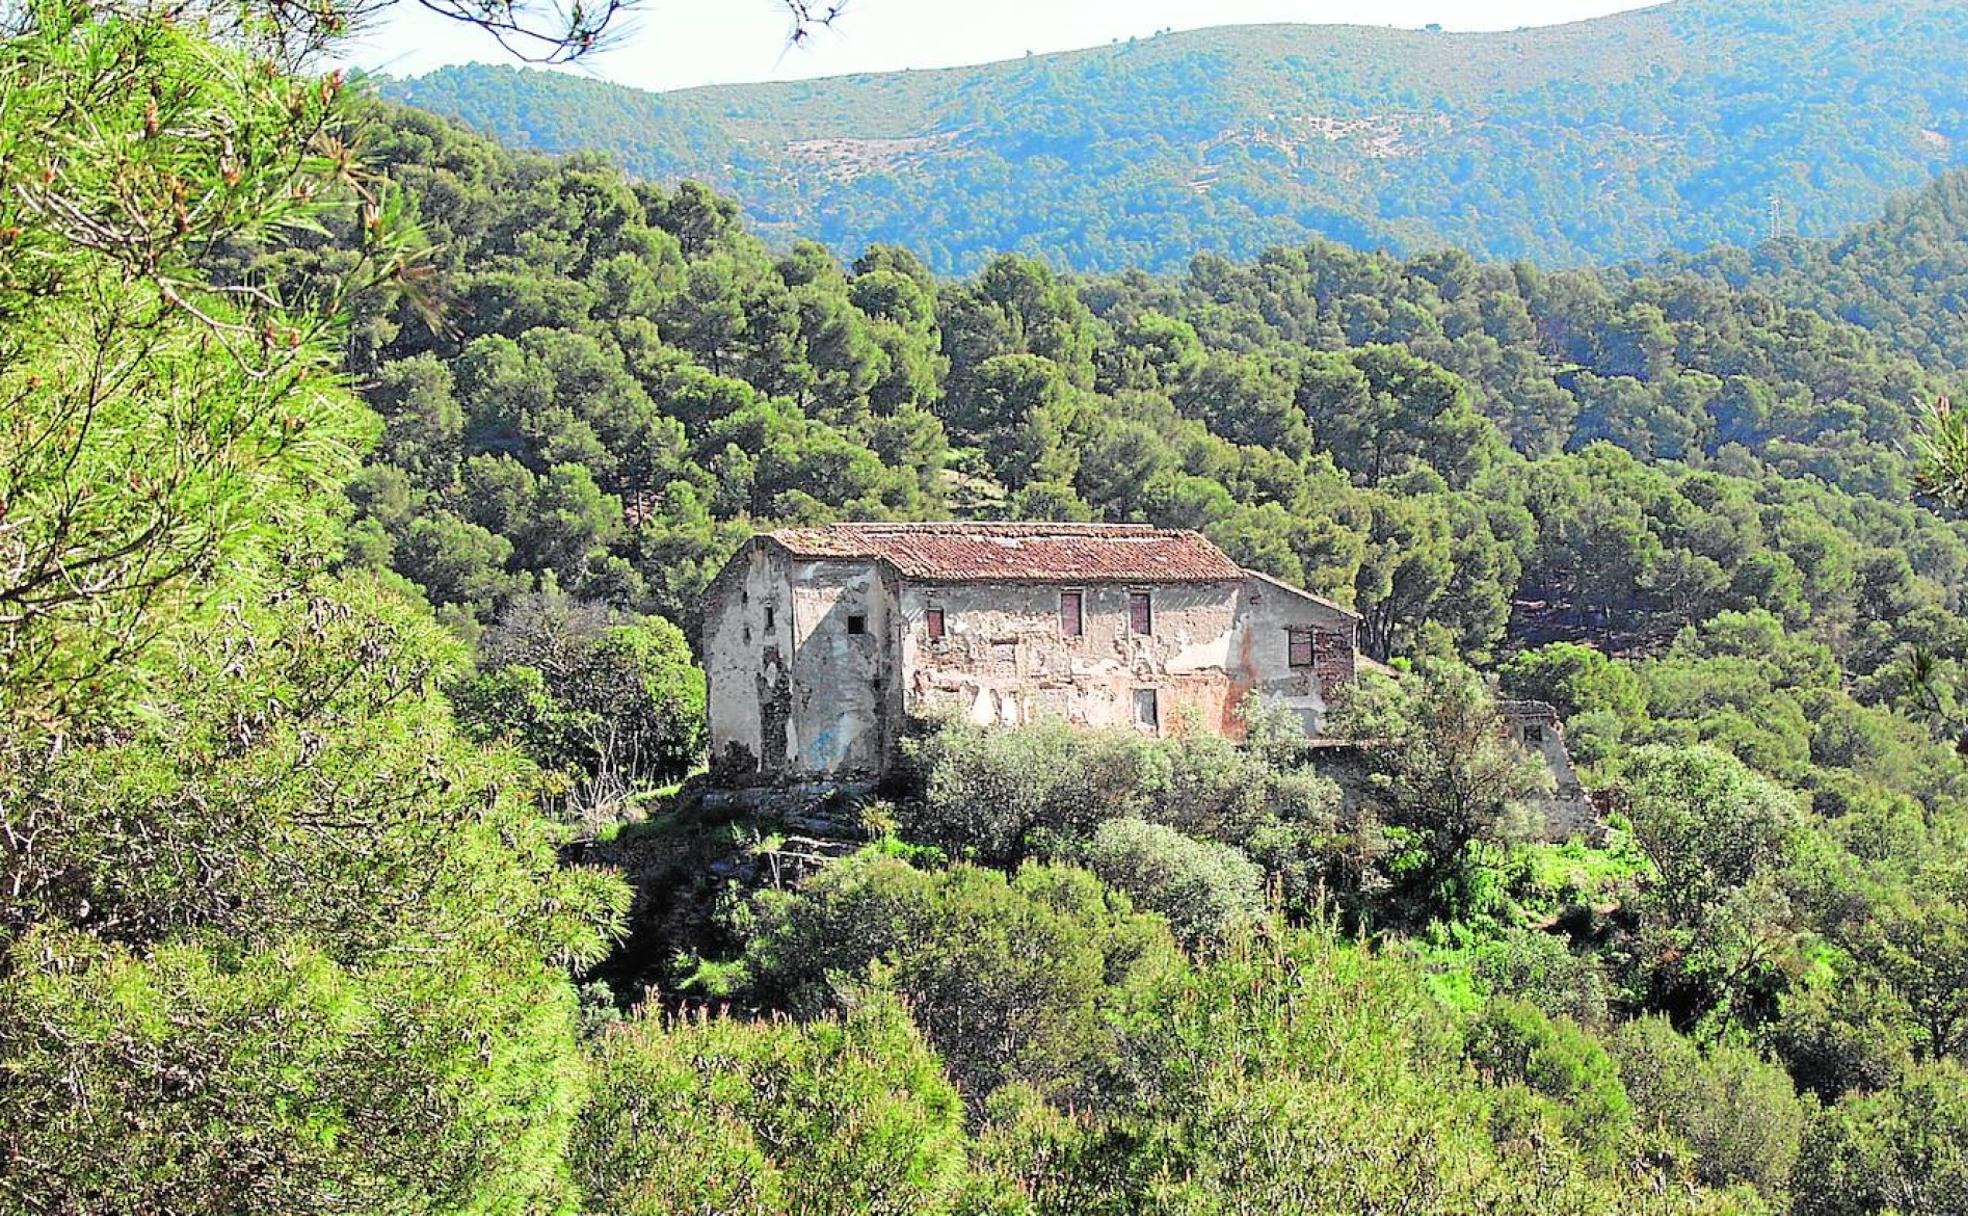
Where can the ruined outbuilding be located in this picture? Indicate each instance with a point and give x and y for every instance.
(822, 643)
(1567, 810)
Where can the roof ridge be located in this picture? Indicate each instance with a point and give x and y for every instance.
(1070, 528)
(967, 550)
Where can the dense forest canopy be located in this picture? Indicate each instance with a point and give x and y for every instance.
(629, 382)
(1904, 275)
(1673, 127)
(359, 485)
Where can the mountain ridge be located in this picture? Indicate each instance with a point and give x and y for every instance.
(1664, 128)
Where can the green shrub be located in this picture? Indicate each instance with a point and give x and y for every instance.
(982, 792)
(848, 1115)
(1575, 679)
(1211, 789)
(1513, 1042)
(988, 793)
(1708, 823)
(1739, 1113)
(612, 697)
(1718, 913)
(1900, 1152)
(1842, 1034)
(1010, 978)
(1210, 892)
(1444, 770)
(294, 934)
(1308, 1077)
(1542, 969)
(278, 1081)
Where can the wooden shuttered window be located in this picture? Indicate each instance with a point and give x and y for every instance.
(1302, 651)
(933, 623)
(1071, 623)
(1141, 614)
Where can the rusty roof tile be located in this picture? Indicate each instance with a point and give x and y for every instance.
(1021, 552)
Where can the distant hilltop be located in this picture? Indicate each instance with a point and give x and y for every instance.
(1674, 127)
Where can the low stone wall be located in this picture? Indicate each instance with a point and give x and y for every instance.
(1553, 818)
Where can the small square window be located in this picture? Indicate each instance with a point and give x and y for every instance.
(933, 623)
(1072, 623)
(1141, 613)
(1301, 647)
(1534, 734)
(1147, 710)
(857, 624)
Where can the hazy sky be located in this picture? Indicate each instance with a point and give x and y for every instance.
(673, 44)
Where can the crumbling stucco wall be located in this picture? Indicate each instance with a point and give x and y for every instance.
(746, 668)
(842, 622)
(798, 656)
(1269, 612)
(1005, 659)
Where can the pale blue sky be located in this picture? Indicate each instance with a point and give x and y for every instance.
(678, 43)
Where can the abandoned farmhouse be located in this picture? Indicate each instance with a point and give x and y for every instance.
(821, 644)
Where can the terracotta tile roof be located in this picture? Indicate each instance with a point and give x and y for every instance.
(1021, 552)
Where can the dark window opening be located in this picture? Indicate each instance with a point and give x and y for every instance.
(933, 622)
(857, 624)
(1534, 734)
(768, 617)
(1071, 622)
(1147, 712)
(1301, 647)
(1141, 613)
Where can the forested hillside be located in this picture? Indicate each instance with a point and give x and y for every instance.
(1530, 471)
(629, 381)
(1676, 127)
(1903, 276)
(359, 483)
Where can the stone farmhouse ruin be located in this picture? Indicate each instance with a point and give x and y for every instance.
(822, 644)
